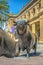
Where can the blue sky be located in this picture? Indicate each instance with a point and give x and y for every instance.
(16, 5)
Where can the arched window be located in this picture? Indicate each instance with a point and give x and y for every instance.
(28, 14)
(33, 11)
(39, 6)
(25, 16)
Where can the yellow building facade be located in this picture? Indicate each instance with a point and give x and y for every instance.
(33, 12)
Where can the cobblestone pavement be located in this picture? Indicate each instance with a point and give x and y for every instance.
(23, 60)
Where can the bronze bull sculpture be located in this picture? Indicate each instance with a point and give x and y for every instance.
(28, 39)
(7, 45)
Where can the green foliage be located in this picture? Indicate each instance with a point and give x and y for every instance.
(4, 4)
(4, 8)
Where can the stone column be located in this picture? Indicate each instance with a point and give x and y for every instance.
(33, 28)
(41, 28)
(41, 3)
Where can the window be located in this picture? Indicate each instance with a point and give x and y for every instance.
(33, 11)
(25, 16)
(39, 6)
(29, 14)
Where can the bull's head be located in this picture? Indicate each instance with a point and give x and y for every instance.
(21, 26)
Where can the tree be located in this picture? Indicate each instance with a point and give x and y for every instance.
(4, 5)
(4, 10)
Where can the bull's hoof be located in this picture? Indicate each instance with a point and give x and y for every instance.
(17, 54)
(28, 55)
(35, 53)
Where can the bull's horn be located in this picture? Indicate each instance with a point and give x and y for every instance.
(27, 22)
(14, 23)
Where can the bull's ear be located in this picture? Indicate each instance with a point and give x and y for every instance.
(27, 22)
(14, 23)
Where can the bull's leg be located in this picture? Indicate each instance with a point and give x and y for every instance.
(17, 50)
(28, 50)
(35, 45)
(35, 48)
(17, 54)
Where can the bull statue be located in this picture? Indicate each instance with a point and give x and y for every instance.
(7, 44)
(28, 39)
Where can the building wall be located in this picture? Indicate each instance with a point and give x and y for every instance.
(41, 28)
(34, 14)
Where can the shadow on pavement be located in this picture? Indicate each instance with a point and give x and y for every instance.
(31, 54)
(24, 55)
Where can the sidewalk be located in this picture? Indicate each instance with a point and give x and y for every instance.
(22, 60)
(40, 47)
